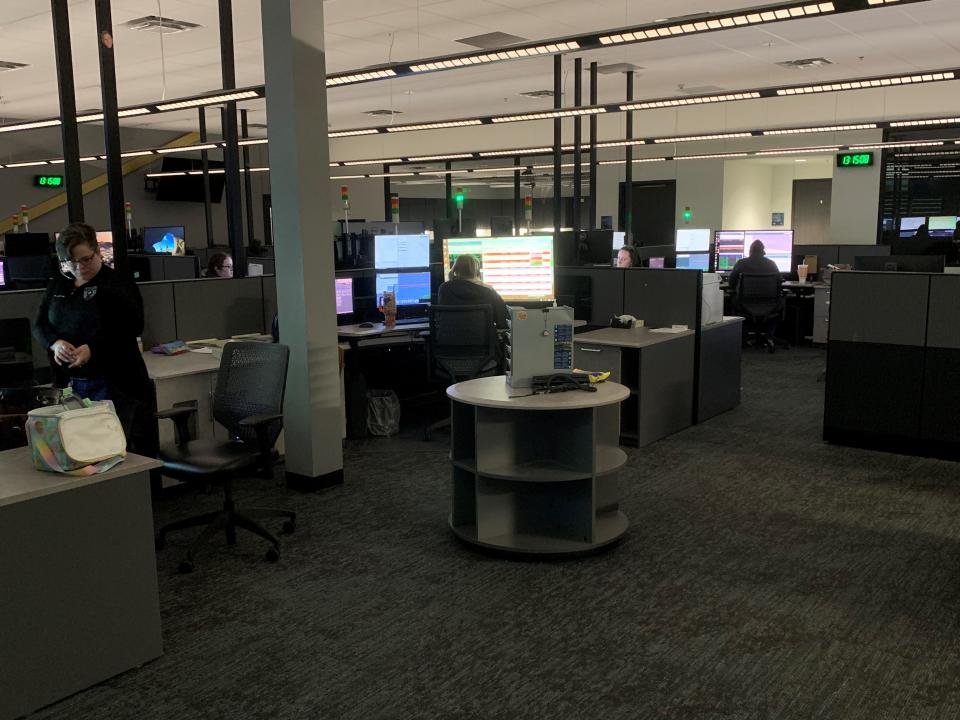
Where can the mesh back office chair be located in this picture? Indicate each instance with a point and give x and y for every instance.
(759, 299)
(463, 345)
(248, 402)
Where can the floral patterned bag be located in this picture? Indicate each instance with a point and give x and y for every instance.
(78, 437)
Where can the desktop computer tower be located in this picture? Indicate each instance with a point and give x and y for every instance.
(538, 342)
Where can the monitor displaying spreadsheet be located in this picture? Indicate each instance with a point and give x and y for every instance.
(518, 268)
(344, 294)
(733, 245)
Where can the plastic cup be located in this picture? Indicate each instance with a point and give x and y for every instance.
(802, 272)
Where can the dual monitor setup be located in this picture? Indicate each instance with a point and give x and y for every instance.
(703, 249)
(938, 226)
(519, 268)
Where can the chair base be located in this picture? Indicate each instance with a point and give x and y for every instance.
(228, 520)
(439, 425)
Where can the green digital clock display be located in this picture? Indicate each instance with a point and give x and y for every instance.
(53, 181)
(863, 159)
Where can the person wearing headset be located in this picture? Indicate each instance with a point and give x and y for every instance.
(89, 320)
(627, 257)
(465, 288)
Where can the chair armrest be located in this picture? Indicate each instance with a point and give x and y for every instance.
(261, 424)
(181, 417)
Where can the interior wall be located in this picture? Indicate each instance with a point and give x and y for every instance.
(855, 205)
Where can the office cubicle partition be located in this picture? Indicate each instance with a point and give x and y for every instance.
(159, 313)
(893, 350)
(215, 308)
(663, 297)
(595, 294)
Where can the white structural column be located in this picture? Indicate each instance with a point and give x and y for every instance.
(295, 74)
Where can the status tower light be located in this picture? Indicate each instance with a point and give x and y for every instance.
(458, 196)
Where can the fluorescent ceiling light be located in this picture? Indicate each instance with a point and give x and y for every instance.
(29, 125)
(130, 112)
(920, 123)
(484, 58)
(698, 100)
(30, 163)
(253, 141)
(136, 153)
(432, 126)
(209, 100)
(884, 146)
(549, 114)
(373, 162)
(187, 148)
(350, 78)
(892, 81)
(828, 128)
(427, 158)
(691, 138)
(520, 151)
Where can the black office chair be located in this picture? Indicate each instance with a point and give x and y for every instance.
(248, 402)
(463, 345)
(759, 300)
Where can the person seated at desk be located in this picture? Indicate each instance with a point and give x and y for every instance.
(756, 263)
(90, 319)
(220, 265)
(627, 257)
(464, 288)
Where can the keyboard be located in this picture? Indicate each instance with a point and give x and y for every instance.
(411, 321)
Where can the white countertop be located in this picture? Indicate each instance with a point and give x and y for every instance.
(162, 367)
(20, 481)
(495, 393)
(355, 331)
(633, 338)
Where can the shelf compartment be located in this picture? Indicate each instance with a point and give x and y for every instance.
(609, 527)
(556, 511)
(609, 460)
(526, 444)
(463, 444)
(464, 497)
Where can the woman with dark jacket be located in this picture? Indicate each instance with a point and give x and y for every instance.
(89, 320)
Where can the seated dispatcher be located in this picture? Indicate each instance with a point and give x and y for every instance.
(220, 265)
(757, 263)
(89, 320)
(464, 288)
(627, 257)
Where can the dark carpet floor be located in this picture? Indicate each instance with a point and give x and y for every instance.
(765, 575)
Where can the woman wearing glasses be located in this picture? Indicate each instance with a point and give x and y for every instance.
(89, 320)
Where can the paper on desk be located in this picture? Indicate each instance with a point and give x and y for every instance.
(669, 330)
(202, 350)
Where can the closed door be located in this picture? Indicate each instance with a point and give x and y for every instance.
(811, 211)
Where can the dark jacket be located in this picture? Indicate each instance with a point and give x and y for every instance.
(755, 264)
(105, 314)
(468, 292)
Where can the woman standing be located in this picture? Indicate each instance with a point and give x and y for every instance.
(89, 321)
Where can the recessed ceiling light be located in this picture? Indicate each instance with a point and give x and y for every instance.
(155, 23)
(805, 64)
(383, 112)
(492, 40)
(6, 65)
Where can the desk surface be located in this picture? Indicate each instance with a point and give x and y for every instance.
(797, 285)
(493, 392)
(20, 481)
(163, 367)
(355, 331)
(634, 338)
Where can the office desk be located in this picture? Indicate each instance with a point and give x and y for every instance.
(354, 333)
(720, 355)
(79, 600)
(658, 370)
(186, 379)
(536, 474)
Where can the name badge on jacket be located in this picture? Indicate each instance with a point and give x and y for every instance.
(89, 293)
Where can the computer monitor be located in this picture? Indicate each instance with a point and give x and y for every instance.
(344, 294)
(943, 225)
(26, 244)
(519, 268)
(411, 288)
(105, 241)
(3, 273)
(693, 261)
(594, 247)
(693, 241)
(619, 239)
(733, 245)
(909, 226)
(170, 240)
(657, 263)
(392, 252)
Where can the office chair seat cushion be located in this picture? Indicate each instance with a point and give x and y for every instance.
(207, 459)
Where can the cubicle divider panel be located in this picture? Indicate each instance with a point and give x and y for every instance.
(882, 308)
(595, 294)
(940, 421)
(180, 267)
(159, 316)
(269, 300)
(24, 304)
(846, 253)
(663, 297)
(218, 308)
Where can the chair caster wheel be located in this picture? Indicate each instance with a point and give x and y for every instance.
(272, 555)
(185, 567)
(288, 527)
(159, 543)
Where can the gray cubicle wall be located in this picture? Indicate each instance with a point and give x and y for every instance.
(215, 308)
(940, 414)
(159, 314)
(596, 294)
(663, 297)
(269, 301)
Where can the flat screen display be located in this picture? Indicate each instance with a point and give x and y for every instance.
(943, 224)
(909, 225)
(3, 273)
(392, 252)
(619, 238)
(344, 293)
(518, 268)
(693, 240)
(693, 261)
(169, 240)
(733, 245)
(411, 288)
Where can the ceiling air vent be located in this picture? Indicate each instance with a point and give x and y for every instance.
(538, 93)
(489, 41)
(806, 63)
(388, 113)
(155, 23)
(6, 65)
(617, 68)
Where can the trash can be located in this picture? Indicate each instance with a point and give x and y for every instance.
(383, 412)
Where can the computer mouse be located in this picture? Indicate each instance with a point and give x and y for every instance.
(366, 325)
